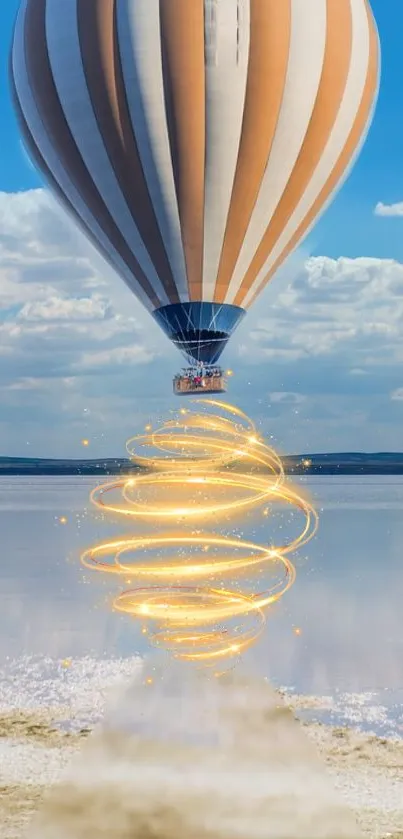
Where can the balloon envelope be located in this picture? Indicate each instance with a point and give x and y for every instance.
(196, 142)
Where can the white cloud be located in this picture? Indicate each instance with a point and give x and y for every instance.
(358, 371)
(397, 395)
(66, 308)
(389, 209)
(130, 355)
(54, 286)
(347, 309)
(287, 398)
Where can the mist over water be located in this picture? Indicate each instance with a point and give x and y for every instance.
(196, 757)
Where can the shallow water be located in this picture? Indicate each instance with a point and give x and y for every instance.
(346, 601)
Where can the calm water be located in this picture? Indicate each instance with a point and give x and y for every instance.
(347, 603)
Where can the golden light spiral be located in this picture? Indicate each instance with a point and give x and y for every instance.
(199, 468)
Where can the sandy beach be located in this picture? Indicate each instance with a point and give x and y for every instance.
(363, 772)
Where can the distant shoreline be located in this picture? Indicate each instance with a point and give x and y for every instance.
(351, 463)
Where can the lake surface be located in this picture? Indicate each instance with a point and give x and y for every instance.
(346, 603)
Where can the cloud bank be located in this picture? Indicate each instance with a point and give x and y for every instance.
(317, 361)
(389, 209)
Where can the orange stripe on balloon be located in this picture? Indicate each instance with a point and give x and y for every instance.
(270, 33)
(357, 131)
(182, 42)
(336, 65)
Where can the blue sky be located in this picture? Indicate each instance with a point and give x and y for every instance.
(334, 386)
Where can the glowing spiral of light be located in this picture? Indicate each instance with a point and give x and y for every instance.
(199, 468)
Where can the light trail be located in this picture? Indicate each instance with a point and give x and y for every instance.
(192, 477)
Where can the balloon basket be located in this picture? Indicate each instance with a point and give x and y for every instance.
(191, 381)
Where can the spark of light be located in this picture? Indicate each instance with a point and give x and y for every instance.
(190, 477)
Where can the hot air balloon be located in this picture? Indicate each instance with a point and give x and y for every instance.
(195, 142)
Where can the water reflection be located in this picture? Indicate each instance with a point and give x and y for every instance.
(346, 600)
